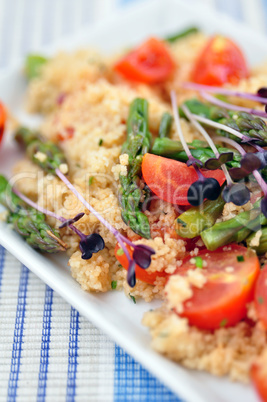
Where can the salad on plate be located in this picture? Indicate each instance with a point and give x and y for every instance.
(150, 171)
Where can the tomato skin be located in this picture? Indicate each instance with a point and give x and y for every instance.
(259, 380)
(149, 63)
(2, 120)
(223, 298)
(221, 61)
(141, 274)
(261, 296)
(170, 179)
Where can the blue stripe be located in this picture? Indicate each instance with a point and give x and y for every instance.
(45, 346)
(18, 336)
(73, 354)
(134, 383)
(2, 264)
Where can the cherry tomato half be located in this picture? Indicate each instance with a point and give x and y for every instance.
(231, 274)
(2, 120)
(150, 63)
(170, 179)
(221, 61)
(261, 296)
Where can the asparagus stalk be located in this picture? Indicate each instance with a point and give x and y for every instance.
(243, 122)
(199, 149)
(132, 195)
(236, 229)
(259, 245)
(181, 34)
(44, 153)
(193, 221)
(165, 125)
(28, 222)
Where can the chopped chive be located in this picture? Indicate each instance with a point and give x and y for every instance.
(120, 266)
(100, 142)
(260, 300)
(120, 251)
(199, 262)
(113, 284)
(91, 179)
(182, 223)
(240, 258)
(133, 298)
(223, 322)
(78, 165)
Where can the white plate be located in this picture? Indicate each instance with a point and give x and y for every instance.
(113, 312)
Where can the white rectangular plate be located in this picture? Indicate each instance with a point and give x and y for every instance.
(113, 312)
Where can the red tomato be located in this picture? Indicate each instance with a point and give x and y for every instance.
(142, 274)
(67, 135)
(230, 286)
(2, 120)
(258, 375)
(170, 179)
(149, 63)
(261, 296)
(220, 61)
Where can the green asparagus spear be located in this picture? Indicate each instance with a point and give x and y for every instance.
(236, 229)
(193, 221)
(33, 65)
(258, 244)
(165, 125)
(44, 153)
(174, 150)
(132, 195)
(245, 123)
(28, 222)
(182, 34)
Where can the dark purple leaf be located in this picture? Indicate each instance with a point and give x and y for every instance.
(195, 162)
(216, 163)
(131, 278)
(142, 255)
(262, 92)
(262, 157)
(91, 244)
(200, 190)
(236, 193)
(264, 206)
(248, 163)
(69, 222)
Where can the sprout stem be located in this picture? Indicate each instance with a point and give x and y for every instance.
(224, 91)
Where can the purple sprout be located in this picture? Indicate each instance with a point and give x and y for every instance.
(203, 188)
(261, 95)
(233, 192)
(141, 253)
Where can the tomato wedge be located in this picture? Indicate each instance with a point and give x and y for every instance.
(221, 61)
(170, 179)
(2, 120)
(230, 286)
(259, 375)
(261, 296)
(149, 63)
(143, 274)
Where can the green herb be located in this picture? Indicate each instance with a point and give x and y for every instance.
(199, 262)
(240, 258)
(260, 300)
(181, 34)
(223, 322)
(133, 298)
(78, 165)
(120, 251)
(113, 284)
(91, 179)
(100, 142)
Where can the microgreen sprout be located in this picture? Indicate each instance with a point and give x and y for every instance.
(261, 95)
(89, 244)
(233, 192)
(203, 188)
(255, 172)
(141, 253)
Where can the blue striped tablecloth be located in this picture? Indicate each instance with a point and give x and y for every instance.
(47, 350)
